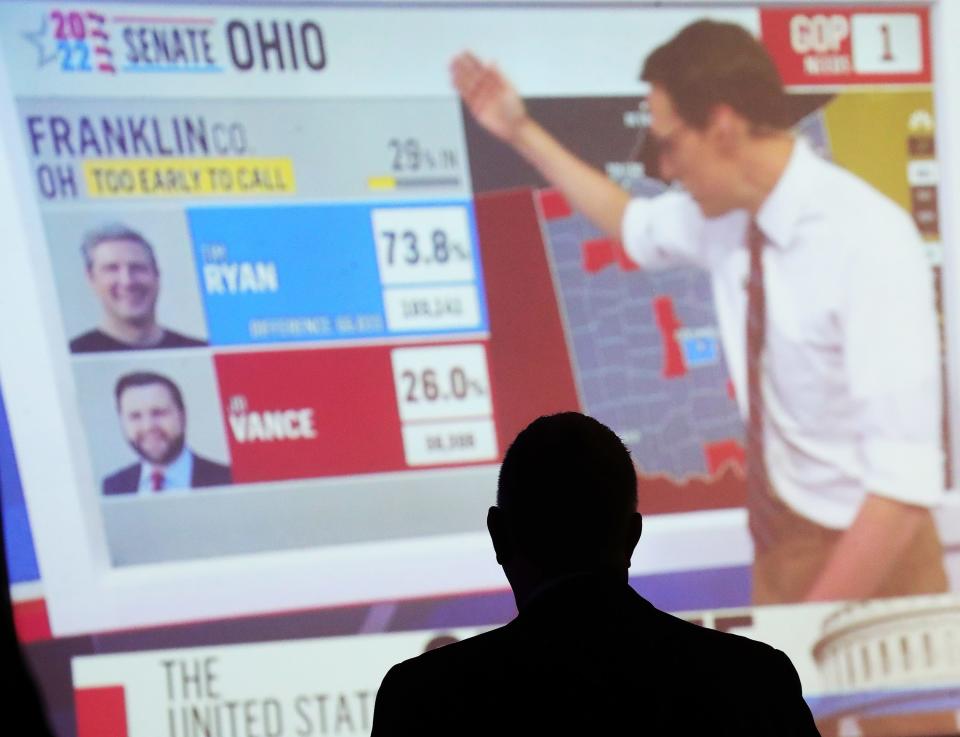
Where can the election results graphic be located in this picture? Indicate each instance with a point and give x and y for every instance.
(335, 272)
(307, 414)
(104, 41)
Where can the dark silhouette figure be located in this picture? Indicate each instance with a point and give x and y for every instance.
(26, 706)
(586, 655)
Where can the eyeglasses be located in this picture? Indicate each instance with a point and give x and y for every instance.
(651, 148)
(665, 144)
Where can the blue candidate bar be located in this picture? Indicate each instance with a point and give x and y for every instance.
(310, 273)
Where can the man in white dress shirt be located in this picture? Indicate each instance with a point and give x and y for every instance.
(835, 358)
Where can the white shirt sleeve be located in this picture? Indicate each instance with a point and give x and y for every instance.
(891, 355)
(664, 231)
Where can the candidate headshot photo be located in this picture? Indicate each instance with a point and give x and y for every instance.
(153, 420)
(122, 272)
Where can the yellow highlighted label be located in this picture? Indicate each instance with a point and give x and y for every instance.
(189, 177)
(386, 182)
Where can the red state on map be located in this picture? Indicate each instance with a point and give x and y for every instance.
(667, 321)
(722, 453)
(553, 205)
(600, 253)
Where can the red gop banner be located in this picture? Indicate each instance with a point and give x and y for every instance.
(829, 45)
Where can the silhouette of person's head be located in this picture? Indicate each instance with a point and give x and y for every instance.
(566, 503)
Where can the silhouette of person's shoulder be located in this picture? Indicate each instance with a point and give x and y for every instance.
(590, 657)
(97, 341)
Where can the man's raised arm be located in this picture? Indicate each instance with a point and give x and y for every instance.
(495, 104)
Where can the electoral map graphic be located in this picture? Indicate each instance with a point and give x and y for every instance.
(645, 345)
(646, 351)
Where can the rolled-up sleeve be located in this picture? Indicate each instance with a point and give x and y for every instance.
(892, 358)
(664, 231)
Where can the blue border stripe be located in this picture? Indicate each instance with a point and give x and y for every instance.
(17, 537)
(684, 591)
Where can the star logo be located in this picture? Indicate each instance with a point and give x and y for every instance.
(39, 41)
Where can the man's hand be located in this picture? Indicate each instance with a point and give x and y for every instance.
(489, 96)
(495, 104)
(865, 553)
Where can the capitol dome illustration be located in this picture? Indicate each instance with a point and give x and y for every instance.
(891, 643)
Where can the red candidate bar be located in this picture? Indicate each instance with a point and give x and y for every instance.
(336, 411)
(832, 46)
(31, 621)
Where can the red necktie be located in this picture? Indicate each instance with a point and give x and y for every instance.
(760, 504)
(156, 480)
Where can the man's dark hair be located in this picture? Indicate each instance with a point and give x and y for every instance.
(113, 232)
(709, 63)
(569, 488)
(146, 378)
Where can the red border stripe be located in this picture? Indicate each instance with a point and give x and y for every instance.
(31, 621)
(101, 711)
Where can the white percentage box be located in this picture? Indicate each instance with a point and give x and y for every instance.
(441, 382)
(412, 309)
(449, 442)
(417, 245)
(923, 173)
(886, 43)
